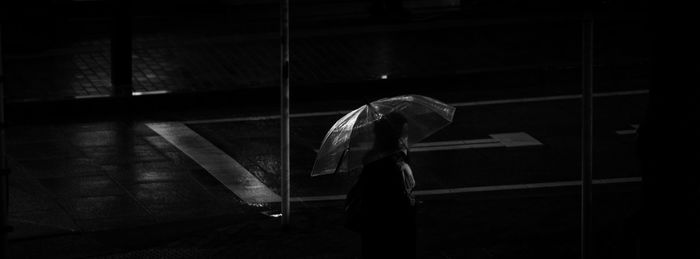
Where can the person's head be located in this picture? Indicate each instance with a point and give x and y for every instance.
(390, 132)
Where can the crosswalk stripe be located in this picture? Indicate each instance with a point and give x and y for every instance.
(460, 104)
(219, 164)
(491, 188)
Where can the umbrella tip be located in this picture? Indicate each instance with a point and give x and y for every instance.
(370, 107)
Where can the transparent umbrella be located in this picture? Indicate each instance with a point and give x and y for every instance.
(345, 146)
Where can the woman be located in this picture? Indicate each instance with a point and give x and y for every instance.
(386, 209)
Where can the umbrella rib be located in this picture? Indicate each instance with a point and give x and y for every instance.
(340, 161)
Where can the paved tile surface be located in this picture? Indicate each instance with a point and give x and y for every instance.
(197, 61)
(106, 175)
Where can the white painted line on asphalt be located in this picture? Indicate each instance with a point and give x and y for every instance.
(548, 98)
(318, 198)
(453, 147)
(462, 104)
(157, 92)
(519, 100)
(220, 165)
(517, 139)
(455, 142)
(510, 187)
(618, 180)
(91, 96)
(628, 132)
(620, 93)
(270, 117)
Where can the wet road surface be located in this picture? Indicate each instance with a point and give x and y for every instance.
(125, 177)
(102, 184)
(254, 143)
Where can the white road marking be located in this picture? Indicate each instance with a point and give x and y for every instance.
(157, 92)
(461, 104)
(270, 117)
(220, 165)
(245, 185)
(453, 147)
(628, 132)
(91, 96)
(455, 142)
(491, 188)
(516, 139)
(249, 188)
(549, 98)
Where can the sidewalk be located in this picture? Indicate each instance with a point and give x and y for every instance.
(486, 57)
(496, 226)
(215, 58)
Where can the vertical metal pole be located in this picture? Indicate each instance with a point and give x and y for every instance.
(284, 103)
(587, 139)
(121, 48)
(4, 170)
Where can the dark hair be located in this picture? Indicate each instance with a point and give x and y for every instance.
(396, 119)
(387, 131)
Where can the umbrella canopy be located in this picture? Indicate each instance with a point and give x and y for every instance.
(347, 144)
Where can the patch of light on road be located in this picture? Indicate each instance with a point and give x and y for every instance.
(150, 92)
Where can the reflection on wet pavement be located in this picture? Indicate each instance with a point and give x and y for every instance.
(92, 176)
(225, 169)
(119, 174)
(546, 152)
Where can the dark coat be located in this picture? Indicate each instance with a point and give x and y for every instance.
(385, 215)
